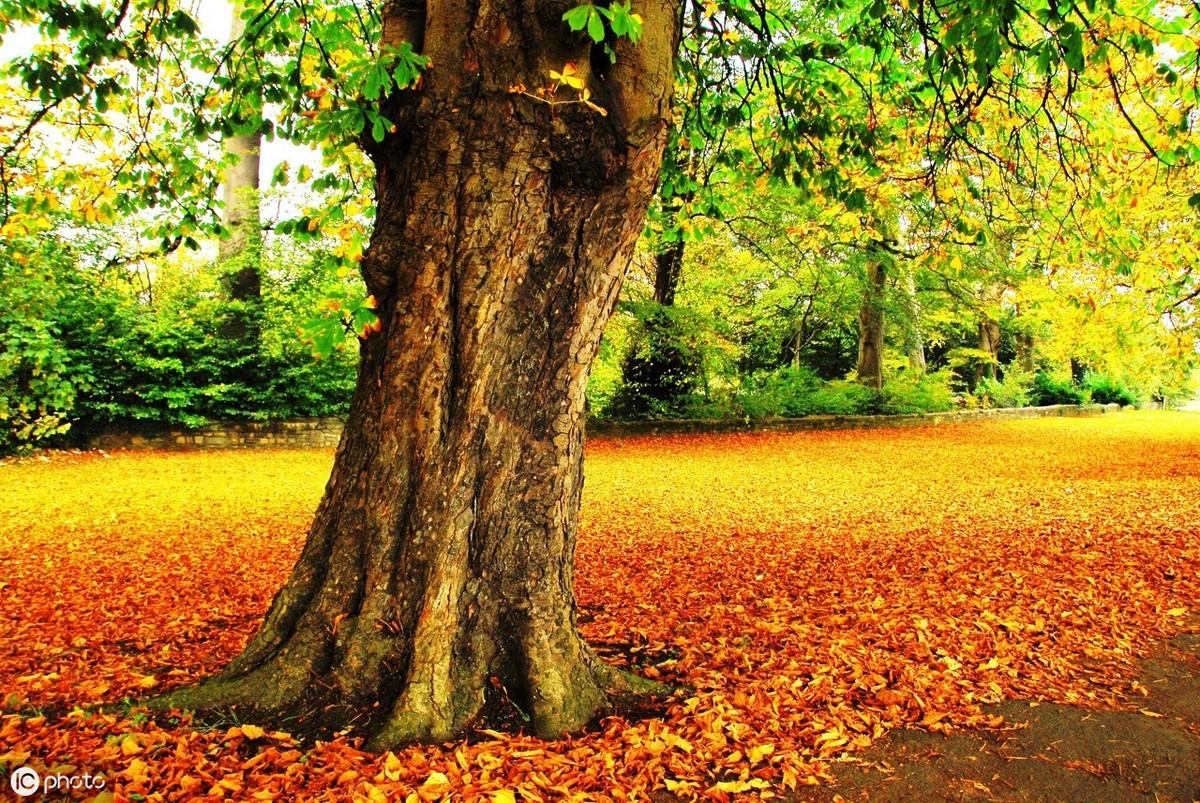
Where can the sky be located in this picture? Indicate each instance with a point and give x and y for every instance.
(214, 17)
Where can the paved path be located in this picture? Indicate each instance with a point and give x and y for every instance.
(1054, 752)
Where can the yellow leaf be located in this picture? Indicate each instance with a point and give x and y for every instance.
(1177, 612)
(504, 796)
(253, 732)
(392, 766)
(137, 771)
(372, 794)
(760, 752)
(733, 786)
(436, 786)
(436, 779)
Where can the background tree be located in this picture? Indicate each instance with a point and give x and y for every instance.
(241, 250)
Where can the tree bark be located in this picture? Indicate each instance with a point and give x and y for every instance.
(989, 341)
(914, 341)
(668, 265)
(437, 580)
(1026, 352)
(240, 253)
(870, 326)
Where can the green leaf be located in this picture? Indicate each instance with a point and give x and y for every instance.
(595, 27)
(577, 18)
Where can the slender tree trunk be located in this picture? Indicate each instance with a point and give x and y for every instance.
(989, 341)
(240, 253)
(793, 346)
(870, 326)
(1026, 352)
(656, 370)
(437, 579)
(668, 264)
(913, 340)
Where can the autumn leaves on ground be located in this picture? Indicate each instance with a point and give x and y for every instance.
(806, 592)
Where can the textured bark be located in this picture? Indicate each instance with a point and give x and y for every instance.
(989, 341)
(1026, 352)
(668, 264)
(870, 327)
(914, 341)
(240, 252)
(437, 579)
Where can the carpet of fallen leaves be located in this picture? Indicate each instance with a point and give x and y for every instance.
(812, 591)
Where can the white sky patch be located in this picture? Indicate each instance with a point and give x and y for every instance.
(214, 18)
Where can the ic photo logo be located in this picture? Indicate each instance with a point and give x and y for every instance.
(26, 781)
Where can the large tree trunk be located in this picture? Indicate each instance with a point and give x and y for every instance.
(437, 579)
(870, 326)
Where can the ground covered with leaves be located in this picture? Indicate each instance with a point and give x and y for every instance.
(808, 593)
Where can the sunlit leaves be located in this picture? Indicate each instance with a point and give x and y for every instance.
(811, 591)
(598, 20)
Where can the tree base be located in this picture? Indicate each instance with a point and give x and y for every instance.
(382, 728)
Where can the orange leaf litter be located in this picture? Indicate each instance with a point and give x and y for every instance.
(811, 591)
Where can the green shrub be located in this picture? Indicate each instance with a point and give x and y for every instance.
(38, 378)
(83, 346)
(1014, 390)
(663, 370)
(1047, 390)
(928, 394)
(1106, 390)
(845, 397)
(784, 392)
(796, 392)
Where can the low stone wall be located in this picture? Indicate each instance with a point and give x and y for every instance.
(297, 432)
(324, 432)
(816, 422)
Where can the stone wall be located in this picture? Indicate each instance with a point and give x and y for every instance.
(324, 432)
(815, 422)
(297, 432)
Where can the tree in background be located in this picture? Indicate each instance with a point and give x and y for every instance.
(240, 252)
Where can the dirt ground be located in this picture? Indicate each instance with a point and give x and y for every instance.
(1050, 752)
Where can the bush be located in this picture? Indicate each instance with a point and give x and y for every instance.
(82, 346)
(663, 371)
(1106, 390)
(784, 392)
(796, 392)
(1014, 390)
(928, 394)
(845, 397)
(1047, 390)
(38, 378)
